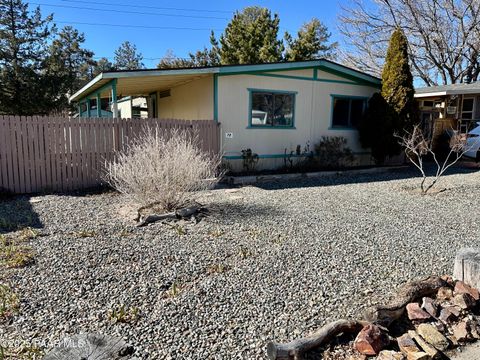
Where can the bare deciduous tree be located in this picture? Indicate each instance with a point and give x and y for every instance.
(417, 147)
(444, 36)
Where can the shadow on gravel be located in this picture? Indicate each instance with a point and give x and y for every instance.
(16, 213)
(345, 179)
(243, 211)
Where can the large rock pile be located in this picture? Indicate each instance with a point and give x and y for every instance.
(431, 326)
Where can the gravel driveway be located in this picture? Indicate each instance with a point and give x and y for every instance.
(269, 262)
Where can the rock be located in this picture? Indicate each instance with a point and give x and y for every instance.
(462, 288)
(444, 293)
(409, 347)
(448, 279)
(371, 340)
(432, 336)
(390, 355)
(464, 301)
(449, 314)
(426, 347)
(429, 305)
(467, 266)
(461, 331)
(415, 313)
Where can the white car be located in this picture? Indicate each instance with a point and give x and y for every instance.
(473, 143)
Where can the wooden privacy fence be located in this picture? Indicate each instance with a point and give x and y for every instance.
(62, 154)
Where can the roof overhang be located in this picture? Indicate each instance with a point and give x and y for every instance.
(143, 82)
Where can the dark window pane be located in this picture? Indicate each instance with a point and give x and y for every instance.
(283, 110)
(356, 112)
(262, 105)
(340, 112)
(467, 105)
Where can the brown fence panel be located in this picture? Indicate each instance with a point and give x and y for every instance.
(63, 154)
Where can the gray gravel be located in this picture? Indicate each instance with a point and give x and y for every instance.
(295, 255)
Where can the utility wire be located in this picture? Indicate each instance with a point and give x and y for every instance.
(136, 26)
(130, 12)
(150, 7)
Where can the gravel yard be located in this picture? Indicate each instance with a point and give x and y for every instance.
(269, 263)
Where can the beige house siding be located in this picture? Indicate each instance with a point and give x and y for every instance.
(190, 101)
(313, 103)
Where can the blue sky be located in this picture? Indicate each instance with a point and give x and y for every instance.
(154, 42)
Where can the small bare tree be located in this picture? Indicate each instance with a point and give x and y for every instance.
(417, 147)
(164, 171)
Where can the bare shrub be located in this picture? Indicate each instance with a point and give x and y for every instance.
(332, 152)
(418, 147)
(163, 171)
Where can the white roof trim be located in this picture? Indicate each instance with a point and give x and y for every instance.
(438, 93)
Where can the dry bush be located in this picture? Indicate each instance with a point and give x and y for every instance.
(163, 171)
(418, 147)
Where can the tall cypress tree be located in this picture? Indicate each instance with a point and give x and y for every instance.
(251, 37)
(397, 82)
(23, 38)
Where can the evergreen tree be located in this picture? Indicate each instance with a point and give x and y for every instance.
(23, 42)
(68, 65)
(311, 43)
(394, 110)
(127, 57)
(251, 37)
(102, 65)
(397, 82)
(377, 129)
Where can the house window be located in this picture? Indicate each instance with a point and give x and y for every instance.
(347, 112)
(272, 109)
(467, 108)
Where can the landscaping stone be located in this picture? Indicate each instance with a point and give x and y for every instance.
(427, 348)
(429, 305)
(415, 313)
(434, 337)
(461, 331)
(449, 314)
(444, 293)
(371, 340)
(409, 347)
(462, 288)
(464, 301)
(390, 355)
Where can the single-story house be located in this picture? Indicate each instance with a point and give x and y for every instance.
(268, 108)
(445, 107)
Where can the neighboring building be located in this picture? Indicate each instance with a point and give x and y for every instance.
(447, 107)
(132, 108)
(269, 108)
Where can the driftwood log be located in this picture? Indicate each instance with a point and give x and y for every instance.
(296, 349)
(384, 315)
(467, 266)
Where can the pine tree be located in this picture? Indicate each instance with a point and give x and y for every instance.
(311, 43)
(102, 65)
(397, 82)
(68, 65)
(251, 37)
(23, 42)
(127, 57)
